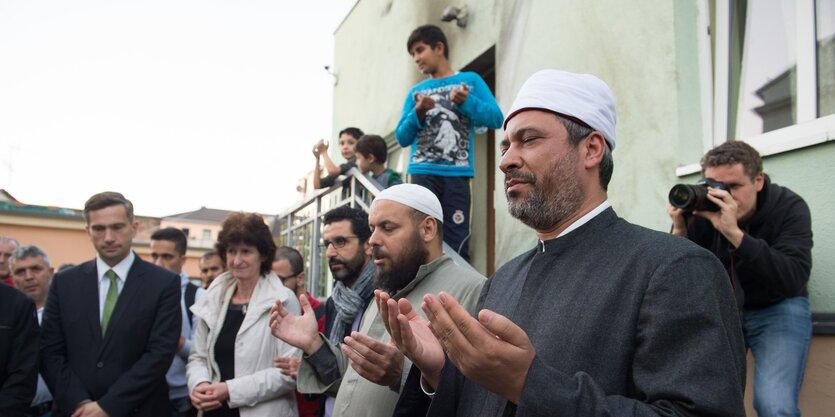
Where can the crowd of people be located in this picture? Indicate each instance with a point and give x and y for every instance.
(601, 317)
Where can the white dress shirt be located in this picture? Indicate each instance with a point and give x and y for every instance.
(121, 269)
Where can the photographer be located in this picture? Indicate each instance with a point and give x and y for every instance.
(762, 233)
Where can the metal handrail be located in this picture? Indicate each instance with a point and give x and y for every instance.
(300, 225)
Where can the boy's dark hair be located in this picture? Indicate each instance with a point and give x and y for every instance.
(172, 235)
(292, 256)
(373, 145)
(357, 217)
(736, 152)
(105, 200)
(352, 131)
(430, 35)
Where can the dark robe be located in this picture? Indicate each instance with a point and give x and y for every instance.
(625, 321)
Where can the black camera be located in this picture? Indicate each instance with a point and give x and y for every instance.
(694, 197)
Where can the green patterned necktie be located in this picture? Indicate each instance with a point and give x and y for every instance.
(110, 300)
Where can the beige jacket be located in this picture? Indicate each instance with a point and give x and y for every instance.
(259, 389)
(355, 395)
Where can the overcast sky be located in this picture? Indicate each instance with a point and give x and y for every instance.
(177, 104)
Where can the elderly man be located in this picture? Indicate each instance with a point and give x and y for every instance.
(406, 243)
(7, 246)
(32, 274)
(602, 317)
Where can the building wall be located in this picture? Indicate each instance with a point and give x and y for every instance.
(64, 241)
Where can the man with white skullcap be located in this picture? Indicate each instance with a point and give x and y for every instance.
(406, 241)
(602, 317)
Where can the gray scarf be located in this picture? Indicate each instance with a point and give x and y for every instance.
(349, 301)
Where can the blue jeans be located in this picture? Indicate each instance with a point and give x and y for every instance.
(454, 195)
(779, 340)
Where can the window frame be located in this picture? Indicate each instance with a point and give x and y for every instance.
(714, 44)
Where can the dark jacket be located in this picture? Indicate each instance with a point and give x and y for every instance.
(774, 260)
(18, 352)
(624, 321)
(124, 370)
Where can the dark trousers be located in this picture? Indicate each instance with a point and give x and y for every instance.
(454, 195)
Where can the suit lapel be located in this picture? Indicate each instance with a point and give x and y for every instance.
(89, 287)
(129, 290)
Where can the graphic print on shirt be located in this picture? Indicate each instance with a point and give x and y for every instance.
(445, 138)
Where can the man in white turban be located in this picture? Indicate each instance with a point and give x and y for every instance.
(406, 241)
(601, 317)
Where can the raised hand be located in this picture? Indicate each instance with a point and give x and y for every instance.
(491, 351)
(375, 361)
(410, 333)
(459, 95)
(726, 220)
(299, 331)
(423, 103)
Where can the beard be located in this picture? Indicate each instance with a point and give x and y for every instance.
(553, 198)
(351, 268)
(403, 269)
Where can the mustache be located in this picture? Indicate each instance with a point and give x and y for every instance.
(516, 174)
(378, 253)
(336, 261)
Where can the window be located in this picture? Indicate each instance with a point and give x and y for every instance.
(207, 235)
(770, 73)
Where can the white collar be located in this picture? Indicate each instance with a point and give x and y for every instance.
(581, 221)
(121, 269)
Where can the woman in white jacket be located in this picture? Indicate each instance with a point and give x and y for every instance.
(230, 369)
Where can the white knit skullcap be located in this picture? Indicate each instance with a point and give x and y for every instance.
(581, 96)
(416, 197)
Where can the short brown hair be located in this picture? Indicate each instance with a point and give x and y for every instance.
(731, 153)
(373, 145)
(105, 200)
(249, 229)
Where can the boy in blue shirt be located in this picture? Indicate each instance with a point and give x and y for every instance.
(437, 121)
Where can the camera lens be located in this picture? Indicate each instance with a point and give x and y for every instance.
(682, 196)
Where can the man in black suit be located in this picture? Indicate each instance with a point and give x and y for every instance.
(18, 352)
(112, 324)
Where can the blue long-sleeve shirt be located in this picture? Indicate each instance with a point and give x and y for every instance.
(443, 144)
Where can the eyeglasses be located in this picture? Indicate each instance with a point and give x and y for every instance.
(287, 277)
(338, 242)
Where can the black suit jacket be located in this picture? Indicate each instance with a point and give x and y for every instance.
(124, 370)
(18, 352)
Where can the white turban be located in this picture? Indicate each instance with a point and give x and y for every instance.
(416, 197)
(581, 96)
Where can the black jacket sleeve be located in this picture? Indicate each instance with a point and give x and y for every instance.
(19, 376)
(65, 386)
(783, 262)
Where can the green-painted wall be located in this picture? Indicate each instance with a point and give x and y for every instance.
(646, 51)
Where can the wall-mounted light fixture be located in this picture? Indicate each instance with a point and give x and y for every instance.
(332, 74)
(458, 14)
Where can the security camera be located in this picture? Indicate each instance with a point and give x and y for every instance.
(459, 14)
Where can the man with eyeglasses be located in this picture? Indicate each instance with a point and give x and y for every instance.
(288, 265)
(345, 244)
(404, 236)
(168, 250)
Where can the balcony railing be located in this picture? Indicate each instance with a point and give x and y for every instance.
(301, 226)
